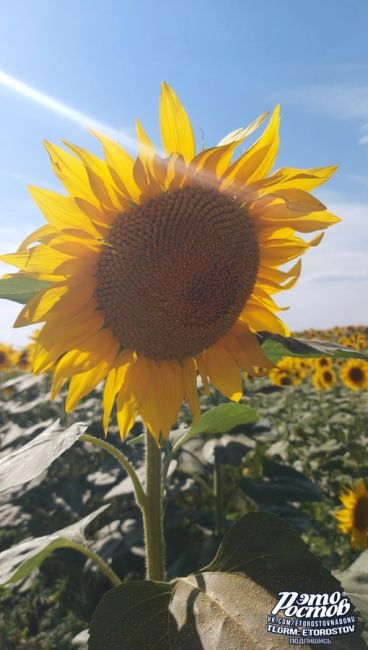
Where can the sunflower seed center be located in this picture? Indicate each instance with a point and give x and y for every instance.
(175, 273)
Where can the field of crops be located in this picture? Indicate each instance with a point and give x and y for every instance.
(308, 446)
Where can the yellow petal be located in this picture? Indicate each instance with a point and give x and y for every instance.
(146, 150)
(224, 372)
(132, 394)
(83, 383)
(39, 305)
(100, 346)
(40, 258)
(70, 172)
(42, 234)
(114, 383)
(61, 211)
(258, 160)
(176, 130)
(246, 347)
(291, 177)
(239, 135)
(260, 318)
(121, 165)
(56, 339)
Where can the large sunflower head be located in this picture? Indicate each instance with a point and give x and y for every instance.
(353, 517)
(164, 266)
(354, 374)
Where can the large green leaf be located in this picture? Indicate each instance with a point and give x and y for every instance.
(355, 582)
(19, 560)
(134, 615)
(220, 419)
(20, 288)
(226, 605)
(30, 460)
(276, 347)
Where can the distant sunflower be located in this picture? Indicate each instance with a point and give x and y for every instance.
(324, 379)
(163, 268)
(353, 518)
(6, 357)
(354, 374)
(322, 362)
(280, 377)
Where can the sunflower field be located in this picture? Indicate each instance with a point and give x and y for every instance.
(304, 451)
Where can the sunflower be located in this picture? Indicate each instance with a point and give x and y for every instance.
(354, 374)
(163, 268)
(322, 362)
(280, 377)
(7, 356)
(353, 518)
(324, 379)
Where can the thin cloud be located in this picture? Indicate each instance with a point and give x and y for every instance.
(62, 109)
(337, 276)
(26, 180)
(343, 101)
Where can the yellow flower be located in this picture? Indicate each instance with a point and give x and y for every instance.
(280, 377)
(353, 518)
(322, 362)
(354, 374)
(7, 356)
(24, 358)
(163, 268)
(324, 378)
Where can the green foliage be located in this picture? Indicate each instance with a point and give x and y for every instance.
(276, 347)
(30, 460)
(20, 288)
(219, 420)
(355, 582)
(293, 461)
(134, 615)
(18, 561)
(223, 606)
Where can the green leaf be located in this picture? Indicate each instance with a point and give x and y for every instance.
(18, 561)
(220, 419)
(22, 288)
(30, 460)
(276, 347)
(132, 616)
(355, 582)
(226, 605)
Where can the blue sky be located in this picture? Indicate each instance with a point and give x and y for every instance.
(228, 61)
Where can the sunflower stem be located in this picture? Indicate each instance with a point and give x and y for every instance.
(153, 512)
(119, 456)
(218, 489)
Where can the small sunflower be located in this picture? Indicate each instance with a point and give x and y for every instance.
(353, 518)
(354, 374)
(322, 362)
(7, 357)
(280, 377)
(165, 267)
(324, 378)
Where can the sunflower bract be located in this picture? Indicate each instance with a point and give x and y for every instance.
(162, 268)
